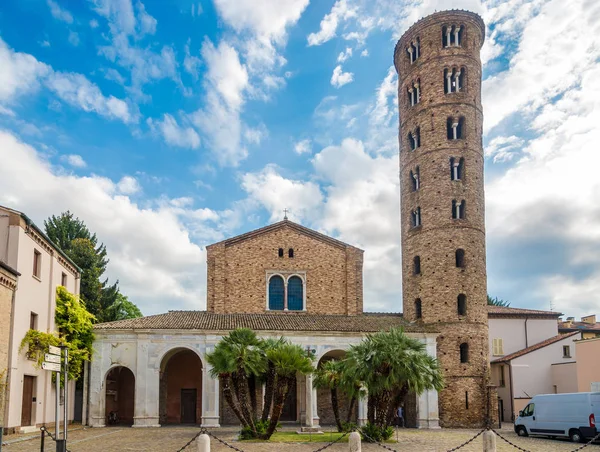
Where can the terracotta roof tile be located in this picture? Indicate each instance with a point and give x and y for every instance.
(579, 326)
(202, 320)
(535, 347)
(503, 311)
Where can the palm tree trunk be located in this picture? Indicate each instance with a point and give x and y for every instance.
(351, 409)
(253, 401)
(382, 407)
(268, 395)
(243, 397)
(371, 409)
(282, 386)
(336, 408)
(227, 394)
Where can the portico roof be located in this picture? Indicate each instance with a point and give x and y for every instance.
(284, 321)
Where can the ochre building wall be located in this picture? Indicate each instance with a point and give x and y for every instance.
(238, 269)
(463, 402)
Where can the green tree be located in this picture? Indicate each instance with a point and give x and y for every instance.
(122, 308)
(389, 364)
(75, 239)
(497, 302)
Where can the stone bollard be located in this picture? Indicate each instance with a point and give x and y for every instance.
(203, 443)
(489, 441)
(354, 442)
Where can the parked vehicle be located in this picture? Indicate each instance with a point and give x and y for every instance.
(566, 415)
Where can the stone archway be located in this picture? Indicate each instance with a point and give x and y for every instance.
(120, 396)
(324, 407)
(180, 390)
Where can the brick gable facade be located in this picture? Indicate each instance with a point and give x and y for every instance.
(239, 269)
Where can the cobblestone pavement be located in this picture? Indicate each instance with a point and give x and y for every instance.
(170, 439)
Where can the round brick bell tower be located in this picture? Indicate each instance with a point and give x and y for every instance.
(442, 202)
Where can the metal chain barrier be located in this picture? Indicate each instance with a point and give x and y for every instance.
(191, 441)
(371, 440)
(595, 438)
(508, 441)
(223, 442)
(332, 442)
(466, 442)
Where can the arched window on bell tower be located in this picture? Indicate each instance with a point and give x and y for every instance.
(460, 258)
(417, 265)
(464, 352)
(415, 179)
(461, 304)
(418, 309)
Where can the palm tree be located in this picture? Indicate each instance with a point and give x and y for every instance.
(497, 302)
(389, 365)
(268, 378)
(288, 361)
(238, 356)
(329, 376)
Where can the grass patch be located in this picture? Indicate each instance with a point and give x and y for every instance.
(293, 437)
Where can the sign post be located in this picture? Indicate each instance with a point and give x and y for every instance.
(52, 363)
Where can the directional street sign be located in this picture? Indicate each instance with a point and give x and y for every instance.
(54, 350)
(51, 358)
(54, 367)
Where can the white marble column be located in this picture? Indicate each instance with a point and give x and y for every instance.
(309, 402)
(147, 390)
(210, 399)
(363, 409)
(315, 413)
(427, 404)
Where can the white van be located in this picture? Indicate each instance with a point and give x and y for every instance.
(573, 415)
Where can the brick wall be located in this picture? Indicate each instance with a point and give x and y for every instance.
(439, 236)
(237, 271)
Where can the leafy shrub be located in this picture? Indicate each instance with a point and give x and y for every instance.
(261, 429)
(373, 433)
(349, 427)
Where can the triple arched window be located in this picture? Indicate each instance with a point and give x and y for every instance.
(452, 35)
(286, 294)
(414, 93)
(454, 80)
(455, 128)
(414, 50)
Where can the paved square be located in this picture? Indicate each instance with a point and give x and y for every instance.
(171, 439)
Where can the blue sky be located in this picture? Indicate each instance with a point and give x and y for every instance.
(167, 126)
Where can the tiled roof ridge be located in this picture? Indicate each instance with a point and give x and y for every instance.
(507, 310)
(534, 347)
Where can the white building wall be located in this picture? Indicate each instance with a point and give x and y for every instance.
(37, 295)
(513, 333)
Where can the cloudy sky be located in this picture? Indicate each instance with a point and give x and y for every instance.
(167, 126)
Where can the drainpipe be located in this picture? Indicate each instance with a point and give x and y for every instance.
(512, 392)
(526, 334)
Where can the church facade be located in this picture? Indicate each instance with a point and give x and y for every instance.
(288, 280)
(280, 280)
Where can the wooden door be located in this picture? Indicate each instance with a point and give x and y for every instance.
(188, 406)
(27, 402)
(289, 412)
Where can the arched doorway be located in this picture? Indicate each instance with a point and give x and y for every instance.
(180, 398)
(120, 396)
(347, 412)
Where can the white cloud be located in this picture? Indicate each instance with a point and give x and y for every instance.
(191, 63)
(20, 73)
(503, 149)
(340, 11)
(78, 91)
(266, 19)
(128, 186)
(343, 56)
(175, 135)
(196, 9)
(303, 147)
(74, 160)
(94, 23)
(364, 53)
(6, 111)
(225, 82)
(340, 78)
(151, 249)
(275, 193)
(73, 39)
(556, 46)
(59, 13)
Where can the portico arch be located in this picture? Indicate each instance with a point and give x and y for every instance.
(180, 387)
(324, 405)
(119, 396)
